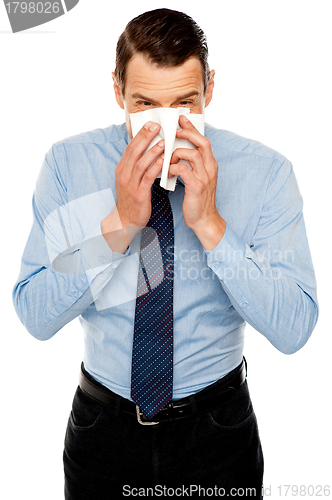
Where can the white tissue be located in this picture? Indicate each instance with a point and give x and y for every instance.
(168, 119)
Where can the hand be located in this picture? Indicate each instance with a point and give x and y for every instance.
(133, 179)
(199, 209)
(133, 182)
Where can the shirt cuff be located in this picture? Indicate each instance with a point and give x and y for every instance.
(98, 255)
(96, 251)
(226, 256)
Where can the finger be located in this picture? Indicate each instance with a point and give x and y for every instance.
(190, 133)
(138, 145)
(145, 161)
(151, 174)
(187, 129)
(185, 173)
(194, 157)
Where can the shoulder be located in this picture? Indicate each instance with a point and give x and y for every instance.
(99, 136)
(111, 140)
(248, 161)
(225, 142)
(65, 157)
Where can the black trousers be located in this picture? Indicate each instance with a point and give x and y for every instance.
(108, 454)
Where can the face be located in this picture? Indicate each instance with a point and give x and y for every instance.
(150, 86)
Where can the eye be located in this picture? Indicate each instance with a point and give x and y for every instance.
(185, 103)
(144, 104)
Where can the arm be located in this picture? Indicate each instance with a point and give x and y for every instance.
(271, 284)
(60, 275)
(54, 282)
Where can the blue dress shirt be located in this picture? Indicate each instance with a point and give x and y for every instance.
(261, 271)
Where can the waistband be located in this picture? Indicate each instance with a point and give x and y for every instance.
(220, 392)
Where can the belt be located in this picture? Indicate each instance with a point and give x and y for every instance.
(211, 397)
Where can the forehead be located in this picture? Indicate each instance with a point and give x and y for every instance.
(142, 75)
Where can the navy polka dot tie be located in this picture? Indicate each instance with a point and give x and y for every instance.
(152, 360)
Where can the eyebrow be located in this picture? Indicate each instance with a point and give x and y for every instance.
(181, 98)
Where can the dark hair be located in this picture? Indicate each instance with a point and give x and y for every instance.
(166, 37)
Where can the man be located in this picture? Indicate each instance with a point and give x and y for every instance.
(234, 250)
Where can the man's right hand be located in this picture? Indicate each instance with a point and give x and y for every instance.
(133, 182)
(133, 179)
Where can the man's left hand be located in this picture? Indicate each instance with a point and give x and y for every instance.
(199, 210)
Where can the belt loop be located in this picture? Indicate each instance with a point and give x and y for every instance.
(193, 404)
(245, 362)
(117, 405)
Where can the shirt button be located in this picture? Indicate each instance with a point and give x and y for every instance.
(216, 264)
(244, 305)
(102, 259)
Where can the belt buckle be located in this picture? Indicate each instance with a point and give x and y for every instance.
(139, 414)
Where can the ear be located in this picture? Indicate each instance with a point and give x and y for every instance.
(117, 92)
(209, 91)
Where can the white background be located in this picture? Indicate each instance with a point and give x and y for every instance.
(273, 84)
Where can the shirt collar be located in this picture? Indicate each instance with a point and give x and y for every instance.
(180, 180)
